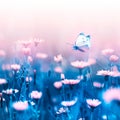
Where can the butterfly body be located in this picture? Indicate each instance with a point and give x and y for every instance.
(77, 48)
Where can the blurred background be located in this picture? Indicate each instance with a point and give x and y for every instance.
(59, 22)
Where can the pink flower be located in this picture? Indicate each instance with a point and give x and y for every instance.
(30, 59)
(83, 64)
(10, 91)
(41, 55)
(98, 85)
(114, 58)
(28, 79)
(36, 95)
(107, 52)
(25, 43)
(15, 67)
(6, 66)
(26, 51)
(57, 84)
(2, 53)
(69, 103)
(58, 69)
(62, 110)
(114, 73)
(103, 72)
(58, 58)
(109, 73)
(37, 41)
(111, 94)
(70, 81)
(20, 106)
(3, 81)
(79, 64)
(93, 102)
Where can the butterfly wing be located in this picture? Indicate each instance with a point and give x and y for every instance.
(82, 42)
(88, 41)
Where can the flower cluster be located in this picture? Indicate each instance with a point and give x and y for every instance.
(37, 84)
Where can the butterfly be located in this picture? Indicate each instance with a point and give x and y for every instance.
(82, 42)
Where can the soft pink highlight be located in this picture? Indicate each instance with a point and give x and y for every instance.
(3, 81)
(58, 58)
(114, 58)
(15, 67)
(36, 95)
(2, 53)
(107, 52)
(111, 94)
(83, 64)
(58, 69)
(98, 85)
(41, 55)
(108, 73)
(93, 102)
(69, 103)
(20, 106)
(70, 81)
(57, 84)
